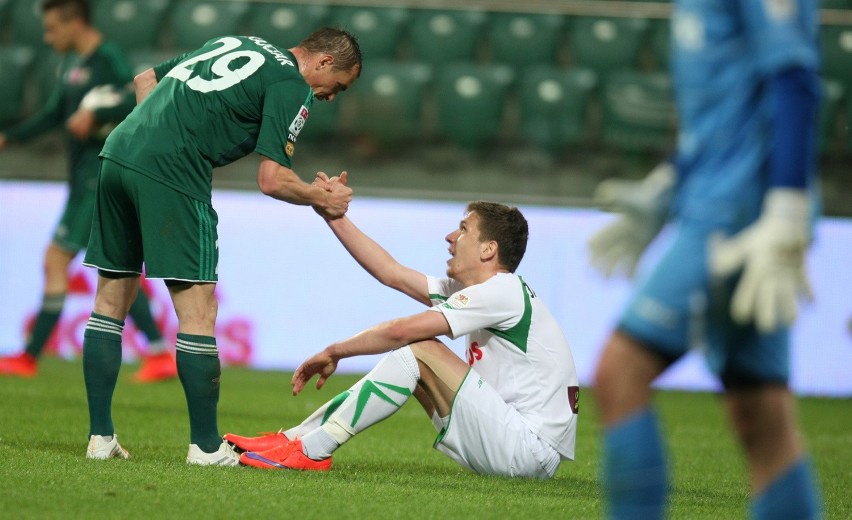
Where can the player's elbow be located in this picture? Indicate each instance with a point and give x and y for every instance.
(266, 183)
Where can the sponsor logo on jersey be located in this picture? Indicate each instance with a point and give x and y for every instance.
(290, 149)
(298, 122)
(279, 56)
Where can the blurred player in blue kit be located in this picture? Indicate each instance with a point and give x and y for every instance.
(88, 100)
(738, 191)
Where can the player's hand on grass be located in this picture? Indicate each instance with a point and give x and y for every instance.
(643, 207)
(771, 255)
(322, 364)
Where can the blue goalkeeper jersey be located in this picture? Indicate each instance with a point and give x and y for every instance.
(723, 52)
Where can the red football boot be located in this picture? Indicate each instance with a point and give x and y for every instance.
(21, 365)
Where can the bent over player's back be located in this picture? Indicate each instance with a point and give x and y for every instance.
(212, 106)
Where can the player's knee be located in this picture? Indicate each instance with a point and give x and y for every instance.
(427, 349)
(758, 413)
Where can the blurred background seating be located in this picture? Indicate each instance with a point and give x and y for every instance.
(560, 94)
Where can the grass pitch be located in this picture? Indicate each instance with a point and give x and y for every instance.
(390, 471)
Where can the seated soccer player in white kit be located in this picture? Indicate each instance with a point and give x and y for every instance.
(511, 409)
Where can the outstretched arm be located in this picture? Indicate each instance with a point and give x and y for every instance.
(378, 339)
(378, 262)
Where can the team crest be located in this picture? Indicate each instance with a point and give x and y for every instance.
(79, 75)
(457, 301)
(290, 149)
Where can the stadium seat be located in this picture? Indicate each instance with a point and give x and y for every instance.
(832, 94)
(837, 52)
(638, 111)
(5, 7)
(285, 24)
(14, 63)
(47, 70)
(470, 99)
(848, 129)
(554, 105)
(388, 100)
(379, 29)
(605, 44)
(521, 39)
(323, 122)
(193, 22)
(142, 60)
(444, 36)
(26, 23)
(661, 43)
(133, 25)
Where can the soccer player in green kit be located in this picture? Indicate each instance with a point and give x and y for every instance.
(200, 110)
(89, 63)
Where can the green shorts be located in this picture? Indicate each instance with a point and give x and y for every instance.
(139, 220)
(72, 232)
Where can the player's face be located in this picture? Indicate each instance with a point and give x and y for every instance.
(327, 82)
(58, 32)
(465, 248)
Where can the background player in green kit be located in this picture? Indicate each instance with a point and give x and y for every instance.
(200, 110)
(89, 63)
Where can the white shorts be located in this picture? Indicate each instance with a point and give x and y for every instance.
(488, 436)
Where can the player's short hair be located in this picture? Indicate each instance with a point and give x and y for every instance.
(341, 44)
(69, 9)
(506, 226)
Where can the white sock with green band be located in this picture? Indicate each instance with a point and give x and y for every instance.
(321, 415)
(382, 392)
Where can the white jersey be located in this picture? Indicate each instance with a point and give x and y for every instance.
(515, 344)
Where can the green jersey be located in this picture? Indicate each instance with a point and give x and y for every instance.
(78, 74)
(212, 106)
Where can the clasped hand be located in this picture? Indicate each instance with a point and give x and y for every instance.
(338, 195)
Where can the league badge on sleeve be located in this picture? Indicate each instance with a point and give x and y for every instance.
(298, 123)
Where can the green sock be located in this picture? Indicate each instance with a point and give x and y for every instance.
(199, 372)
(45, 322)
(140, 313)
(101, 363)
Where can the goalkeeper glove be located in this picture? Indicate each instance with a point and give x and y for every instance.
(644, 206)
(771, 255)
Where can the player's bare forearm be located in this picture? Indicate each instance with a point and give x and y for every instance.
(391, 335)
(378, 262)
(379, 339)
(282, 183)
(144, 83)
